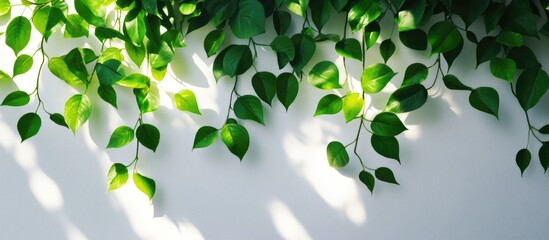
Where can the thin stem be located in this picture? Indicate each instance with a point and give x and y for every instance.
(231, 98)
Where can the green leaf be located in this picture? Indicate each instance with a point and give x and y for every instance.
(523, 159)
(187, 8)
(15, 99)
(298, 7)
(363, 13)
(352, 106)
(386, 146)
(120, 137)
(487, 49)
(46, 18)
(415, 73)
(544, 156)
(339, 4)
(443, 37)
(281, 21)
(103, 33)
(532, 84)
(108, 94)
(368, 180)
(150, 6)
(470, 10)
(205, 136)
(111, 53)
(386, 49)
(371, 34)
(284, 48)
(544, 129)
(5, 7)
(4, 76)
(75, 64)
(144, 184)
(136, 54)
(287, 88)
(519, 19)
(212, 41)
(349, 48)
(329, 104)
(236, 138)
(148, 99)
(249, 107)
(264, 84)
(305, 48)
(18, 34)
(337, 154)
(407, 99)
(387, 124)
(485, 99)
(414, 39)
(320, 12)
(523, 57)
(375, 77)
(324, 75)
(93, 11)
(509, 38)
(493, 15)
(22, 64)
(117, 176)
(28, 125)
(77, 111)
(249, 19)
(451, 55)
(452, 82)
(503, 68)
(148, 135)
(134, 80)
(109, 72)
(135, 26)
(410, 17)
(185, 100)
(386, 175)
(237, 60)
(76, 26)
(58, 119)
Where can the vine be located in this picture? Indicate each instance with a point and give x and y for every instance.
(151, 31)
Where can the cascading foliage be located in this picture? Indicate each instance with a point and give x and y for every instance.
(151, 31)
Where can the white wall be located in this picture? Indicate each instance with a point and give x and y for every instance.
(458, 178)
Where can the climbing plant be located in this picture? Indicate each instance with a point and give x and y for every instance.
(150, 33)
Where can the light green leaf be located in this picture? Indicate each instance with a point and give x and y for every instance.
(135, 26)
(205, 136)
(15, 99)
(120, 137)
(349, 48)
(329, 104)
(298, 7)
(337, 155)
(443, 37)
(352, 106)
(386, 175)
(264, 84)
(136, 54)
(117, 176)
(415, 73)
(407, 99)
(523, 159)
(532, 85)
(46, 18)
(324, 75)
(386, 146)
(236, 138)
(249, 19)
(185, 100)
(76, 26)
(18, 34)
(187, 8)
(4, 76)
(144, 184)
(287, 88)
(387, 124)
(375, 77)
(148, 135)
(22, 64)
(148, 99)
(5, 7)
(368, 180)
(93, 11)
(111, 53)
(509, 38)
(371, 34)
(28, 125)
(77, 111)
(134, 80)
(363, 13)
(503, 68)
(485, 99)
(249, 107)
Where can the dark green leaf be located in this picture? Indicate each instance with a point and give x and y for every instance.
(386, 175)
(305, 47)
(320, 12)
(103, 33)
(371, 33)
(349, 48)
(337, 155)
(532, 84)
(407, 99)
(150, 6)
(117, 176)
(386, 146)
(368, 180)
(287, 88)
(509, 38)
(58, 119)
(15, 99)
(144, 184)
(415, 73)
(249, 107)
(520, 20)
(452, 82)
(544, 129)
(204, 137)
(18, 34)
(451, 55)
(249, 19)
(324, 75)
(339, 4)
(387, 124)
(46, 18)
(236, 139)
(470, 10)
(108, 94)
(414, 39)
(281, 21)
(77, 111)
(148, 135)
(544, 156)
(212, 42)
(108, 72)
(523, 159)
(264, 84)
(485, 99)
(375, 77)
(93, 11)
(487, 49)
(121, 136)
(386, 49)
(284, 48)
(503, 68)
(443, 37)
(493, 15)
(329, 104)
(472, 37)
(237, 60)
(198, 22)
(327, 37)
(28, 125)
(363, 13)
(352, 106)
(76, 26)
(523, 57)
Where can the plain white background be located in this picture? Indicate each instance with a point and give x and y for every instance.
(458, 177)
